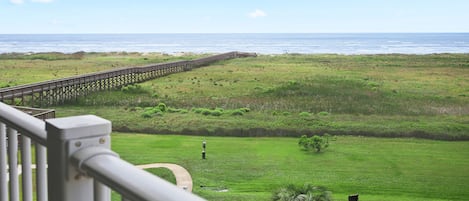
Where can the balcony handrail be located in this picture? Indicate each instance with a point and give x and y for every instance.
(79, 162)
(26, 124)
(106, 167)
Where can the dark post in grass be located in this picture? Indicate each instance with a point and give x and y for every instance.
(204, 144)
(353, 197)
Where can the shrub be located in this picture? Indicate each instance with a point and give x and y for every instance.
(307, 192)
(197, 110)
(173, 110)
(315, 142)
(323, 113)
(147, 114)
(237, 112)
(206, 111)
(305, 114)
(155, 110)
(245, 109)
(162, 107)
(216, 113)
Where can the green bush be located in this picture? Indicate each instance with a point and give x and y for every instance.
(219, 111)
(197, 110)
(245, 109)
(206, 111)
(305, 114)
(237, 112)
(162, 107)
(147, 114)
(173, 110)
(315, 142)
(323, 113)
(216, 113)
(155, 110)
(307, 192)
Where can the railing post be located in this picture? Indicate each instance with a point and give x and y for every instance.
(13, 163)
(65, 136)
(3, 163)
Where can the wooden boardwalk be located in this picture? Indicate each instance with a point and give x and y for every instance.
(58, 91)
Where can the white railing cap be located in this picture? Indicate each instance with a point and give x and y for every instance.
(77, 127)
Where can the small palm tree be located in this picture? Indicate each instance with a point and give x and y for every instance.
(306, 192)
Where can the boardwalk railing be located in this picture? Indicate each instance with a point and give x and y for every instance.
(78, 164)
(58, 91)
(39, 113)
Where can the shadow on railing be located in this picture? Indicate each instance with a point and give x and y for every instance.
(81, 165)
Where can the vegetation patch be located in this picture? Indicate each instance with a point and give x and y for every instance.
(47, 56)
(315, 142)
(422, 96)
(306, 192)
(133, 89)
(220, 111)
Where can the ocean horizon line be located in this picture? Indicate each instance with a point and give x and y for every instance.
(124, 33)
(263, 43)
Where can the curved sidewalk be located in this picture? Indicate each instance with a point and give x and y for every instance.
(183, 178)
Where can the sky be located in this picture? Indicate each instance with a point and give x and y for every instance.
(235, 16)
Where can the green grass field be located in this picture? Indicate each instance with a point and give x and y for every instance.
(411, 96)
(20, 69)
(251, 168)
(425, 96)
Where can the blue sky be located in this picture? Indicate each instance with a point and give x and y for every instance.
(239, 16)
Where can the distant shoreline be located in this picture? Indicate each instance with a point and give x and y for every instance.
(266, 44)
(14, 54)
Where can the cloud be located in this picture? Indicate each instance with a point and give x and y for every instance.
(257, 13)
(42, 1)
(17, 1)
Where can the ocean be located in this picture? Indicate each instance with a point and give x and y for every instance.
(315, 43)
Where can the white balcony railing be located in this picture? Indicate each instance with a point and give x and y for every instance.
(79, 167)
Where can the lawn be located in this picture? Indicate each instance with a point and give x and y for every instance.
(251, 168)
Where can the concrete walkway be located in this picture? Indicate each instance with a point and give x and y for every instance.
(183, 178)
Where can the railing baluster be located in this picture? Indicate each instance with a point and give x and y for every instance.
(13, 163)
(27, 178)
(41, 173)
(101, 192)
(3, 163)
